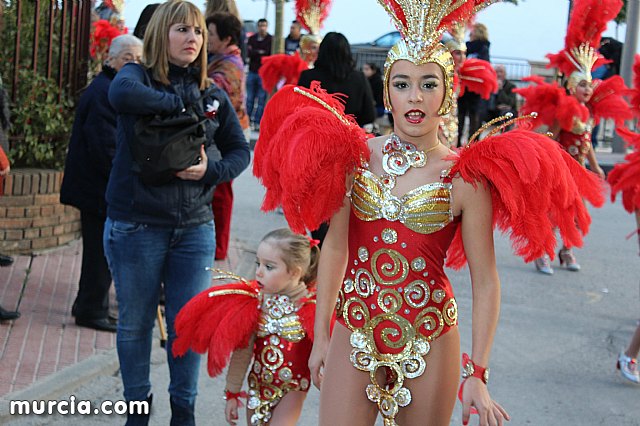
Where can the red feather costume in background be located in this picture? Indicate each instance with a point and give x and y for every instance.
(555, 107)
(227, 318)
(281, 69)
(625, 177)
(101, 37)
(307, 151)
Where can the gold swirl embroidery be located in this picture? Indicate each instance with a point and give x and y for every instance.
(399, 268)
(364, 284)
(272, 357)
(339, 303)
(430, 321)
(450, 312)
(416, 294)
(359, 312)
(389, 300)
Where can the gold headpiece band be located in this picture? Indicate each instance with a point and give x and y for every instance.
(583, 58)
(421, 42)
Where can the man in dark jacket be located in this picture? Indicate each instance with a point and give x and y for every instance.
(91, 150)
(258, 46)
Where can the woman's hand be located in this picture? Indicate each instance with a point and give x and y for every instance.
(317, 359)
(195, 172)
(475, 394)
(5, 172)
(231, 411)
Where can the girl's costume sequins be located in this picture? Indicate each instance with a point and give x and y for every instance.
(395, 297)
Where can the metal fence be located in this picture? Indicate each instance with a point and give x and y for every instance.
(50, 37)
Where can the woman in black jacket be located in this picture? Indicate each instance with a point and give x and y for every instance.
(164, 233)
(335, 71)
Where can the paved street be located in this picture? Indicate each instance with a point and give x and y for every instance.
(554, 357)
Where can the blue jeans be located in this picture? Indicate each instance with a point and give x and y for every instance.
(141, 257)
(256, 97)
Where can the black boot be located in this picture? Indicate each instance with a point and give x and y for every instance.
(182, 416)
(8, 315)
(5, 260)
(140, 419)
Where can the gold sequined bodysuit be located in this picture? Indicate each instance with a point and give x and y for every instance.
(395, 297)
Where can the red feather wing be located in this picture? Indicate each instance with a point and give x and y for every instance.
(625, 177)
(535, 187)
(279, 67)
(634, 94)
(219, 320)
(306, 149)
(607, 101)
(479, 77)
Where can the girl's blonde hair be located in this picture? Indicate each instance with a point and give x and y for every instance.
(297, 250)
(156, 39)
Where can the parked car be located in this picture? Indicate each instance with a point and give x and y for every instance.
(374, 51)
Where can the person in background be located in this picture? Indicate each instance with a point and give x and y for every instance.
(143, 20)
(5, 122)
(372, 72)
(226, 69)
(335, 71)
(258, 46)
(165, 233)
(292, 41)
(5, 260)
(87, 168)
(229, 6)
(504, 101)
(470, 104)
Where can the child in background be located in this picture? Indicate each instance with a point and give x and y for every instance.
(270, 320)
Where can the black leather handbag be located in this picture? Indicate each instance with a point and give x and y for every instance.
(164, 145)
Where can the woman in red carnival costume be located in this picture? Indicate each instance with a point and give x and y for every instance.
(570, 115)
(398, 205)
(280, 69)
(270, 320)
(625, 179)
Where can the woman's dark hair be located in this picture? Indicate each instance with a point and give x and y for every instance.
(227, 25)
(144, 19)
(334, 56)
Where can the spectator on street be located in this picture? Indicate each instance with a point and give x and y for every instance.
(164, 234)
(226, 69)
(292, 41)
(143, 20)
(372, 72)
(5, 117)
(5, 315)
(87, 168)
(258, 46)
(504, 100)
(470, 104)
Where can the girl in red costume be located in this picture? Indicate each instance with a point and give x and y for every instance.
(570, 115)
(270, 320)
(625, 179)
(398, 206)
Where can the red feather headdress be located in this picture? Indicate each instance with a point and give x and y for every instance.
(312, 13)
(588, 21)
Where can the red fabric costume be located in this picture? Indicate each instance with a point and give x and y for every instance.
(227, 318)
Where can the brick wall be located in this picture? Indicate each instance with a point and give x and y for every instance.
(31, 216)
